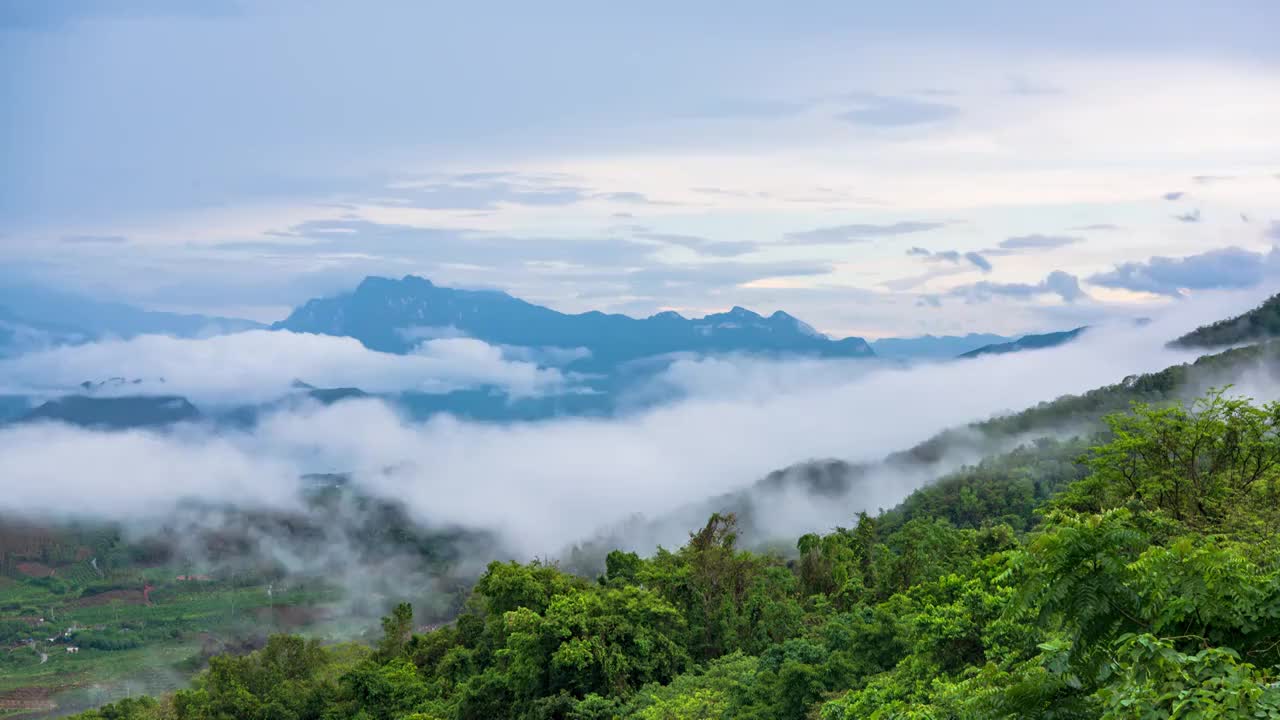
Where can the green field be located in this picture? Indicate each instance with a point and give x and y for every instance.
(128, 646)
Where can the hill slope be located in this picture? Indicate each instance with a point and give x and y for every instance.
(1259, 323)
(1026, 342)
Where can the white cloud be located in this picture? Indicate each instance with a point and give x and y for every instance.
(261, 365)
(541, 485)
(51, 468)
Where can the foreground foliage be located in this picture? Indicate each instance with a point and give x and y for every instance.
(1143, 582)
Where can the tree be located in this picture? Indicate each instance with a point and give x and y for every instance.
(1199, 464)
(397, 629)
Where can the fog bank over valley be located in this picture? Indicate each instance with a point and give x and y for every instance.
(540, 486)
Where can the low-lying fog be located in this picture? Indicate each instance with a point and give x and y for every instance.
(541, 486)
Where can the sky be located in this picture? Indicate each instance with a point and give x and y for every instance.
(875, 169)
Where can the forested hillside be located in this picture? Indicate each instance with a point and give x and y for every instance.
(1140, 582)
(1259, 323)
(1073, 416)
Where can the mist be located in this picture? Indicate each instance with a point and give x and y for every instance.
(537, 489)
(540, 486)
(261, 365)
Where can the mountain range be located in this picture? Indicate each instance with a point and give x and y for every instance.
(390, 315)
(395, 315)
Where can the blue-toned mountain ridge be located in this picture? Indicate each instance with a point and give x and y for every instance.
(394, 315)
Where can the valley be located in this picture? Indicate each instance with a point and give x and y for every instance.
(97, 612)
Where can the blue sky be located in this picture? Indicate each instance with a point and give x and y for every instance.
(926, 167)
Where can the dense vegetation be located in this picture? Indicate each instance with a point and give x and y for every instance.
(1142, 582)
(1257, 324)
(94, 611)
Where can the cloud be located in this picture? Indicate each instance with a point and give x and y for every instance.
(1062, 284)
(262, 365)
(872, 110)
(858, 232)
(1226, 268)
(445, 245)
(620, 266)
(489, 191)
(662, 278)
(953, 256)
(1038, 242)
(701, 245)
(1274, 231)
(543, 485)
(1096, 227)
(545, 355)
(635, 198)
(480, 191)
(1065, 285)
(751, 108)
(1021, 85)
(94, 239)
(1189, 217)
(1207, 179)
(977, 260)
(122, 474)
(901, 284)
(1172, 196)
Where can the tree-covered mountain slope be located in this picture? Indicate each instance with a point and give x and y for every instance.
(1146, 587)
(1029, 584)
(1050, 431)
(1259, 323)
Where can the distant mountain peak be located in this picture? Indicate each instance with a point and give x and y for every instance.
(740, 312)
(380, 284)
(130, 411)
(381, 310)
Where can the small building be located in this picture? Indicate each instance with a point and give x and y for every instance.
(73, 649)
